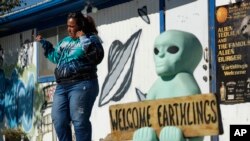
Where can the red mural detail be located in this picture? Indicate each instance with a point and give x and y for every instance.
(49, 92)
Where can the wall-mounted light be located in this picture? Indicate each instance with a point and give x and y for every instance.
(94, 9)
(89, 8)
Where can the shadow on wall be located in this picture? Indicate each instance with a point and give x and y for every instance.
(127, 14)
(174, 3)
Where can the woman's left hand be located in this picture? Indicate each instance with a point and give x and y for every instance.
(80, 33)
(38, 38)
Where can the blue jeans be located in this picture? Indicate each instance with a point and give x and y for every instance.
(73, 102)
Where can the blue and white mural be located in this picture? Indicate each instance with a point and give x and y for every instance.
(17, 83)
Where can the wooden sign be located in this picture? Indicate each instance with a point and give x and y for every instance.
(197, 115)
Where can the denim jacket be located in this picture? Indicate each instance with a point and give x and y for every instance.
(70, 55)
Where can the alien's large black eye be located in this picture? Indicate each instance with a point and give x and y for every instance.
(156, 51)
(172, 49)
(243, 28)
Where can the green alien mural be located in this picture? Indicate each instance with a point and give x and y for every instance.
(176, 55)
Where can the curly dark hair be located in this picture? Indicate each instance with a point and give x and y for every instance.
(85, 23)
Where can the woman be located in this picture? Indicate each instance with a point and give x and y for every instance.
(76, 57)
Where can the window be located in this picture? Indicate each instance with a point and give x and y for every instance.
(45, 67)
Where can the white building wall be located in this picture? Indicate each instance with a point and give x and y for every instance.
(192, 16)
(12, 46)
(120, 23)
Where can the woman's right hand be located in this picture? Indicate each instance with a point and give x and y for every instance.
(39, 38)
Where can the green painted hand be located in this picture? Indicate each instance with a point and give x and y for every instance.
(145, 134)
